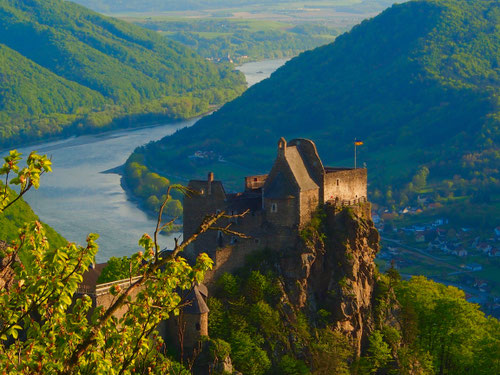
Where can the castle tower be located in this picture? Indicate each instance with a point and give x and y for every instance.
(192, 322)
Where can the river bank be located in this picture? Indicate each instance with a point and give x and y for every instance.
(77, 198)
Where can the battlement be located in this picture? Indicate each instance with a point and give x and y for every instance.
(255, 182)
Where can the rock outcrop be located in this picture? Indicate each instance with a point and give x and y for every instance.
(332, 269)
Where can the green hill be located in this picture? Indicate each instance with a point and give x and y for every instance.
(64, 66)
(16, 216)
(419, 83)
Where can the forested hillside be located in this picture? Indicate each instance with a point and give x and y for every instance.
(64, 68)
(420, 84)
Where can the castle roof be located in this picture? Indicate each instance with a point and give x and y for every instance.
(198, 185)
(279, 187)
(241, 202)
(195, 302)
(299, 170)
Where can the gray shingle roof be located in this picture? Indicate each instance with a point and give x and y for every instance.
(299, 169)
(196, 302)
(279, 187)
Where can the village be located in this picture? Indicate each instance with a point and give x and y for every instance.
(430, 245)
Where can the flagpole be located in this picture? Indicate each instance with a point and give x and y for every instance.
(354, 154)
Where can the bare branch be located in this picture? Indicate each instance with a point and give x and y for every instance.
(226, 230)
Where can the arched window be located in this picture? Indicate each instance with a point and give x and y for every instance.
(274, 207)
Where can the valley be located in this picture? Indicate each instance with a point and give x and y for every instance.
(80, 197)
(326, 174)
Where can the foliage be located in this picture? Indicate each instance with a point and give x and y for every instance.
(26, 178)
(379, 352)
(291, 366)
(314, 231)
(331, 353)
(68, 70)
(219, 350)
(46, 328)
(40, 307)
(419, 82)
(436, 331)
(247, 311)
(150, 187)
(118, 269)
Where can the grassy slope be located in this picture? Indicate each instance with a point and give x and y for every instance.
(124, 69)
(14, 218)
(419, 83)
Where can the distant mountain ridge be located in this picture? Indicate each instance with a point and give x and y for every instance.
(420, 84)
(176, 5)
(62, 64)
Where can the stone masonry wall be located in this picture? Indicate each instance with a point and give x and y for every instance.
(196, 207)
(308, 204)
(349, 184)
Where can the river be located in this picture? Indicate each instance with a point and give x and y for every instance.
(78, 198)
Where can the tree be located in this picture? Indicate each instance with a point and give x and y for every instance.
(44, 330)
(117, 269)
(379, 352)
(453, 331)
(330, 352)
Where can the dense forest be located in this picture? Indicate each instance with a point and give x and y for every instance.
(241, 40)
(419, 84)
(420, 327)
(66, 69)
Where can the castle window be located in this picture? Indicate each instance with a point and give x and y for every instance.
(198, 327)
(338, 181)
(234, 240)
(274, 207)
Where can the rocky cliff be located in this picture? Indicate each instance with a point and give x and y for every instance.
(331, 272)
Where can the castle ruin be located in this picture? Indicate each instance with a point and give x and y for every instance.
(279, 204)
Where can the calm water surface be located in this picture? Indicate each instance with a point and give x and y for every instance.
(78, 198)
(257, 71)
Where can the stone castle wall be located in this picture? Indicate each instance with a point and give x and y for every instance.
(196, 207)
(281, 212)
(349, 184)
(308, 204)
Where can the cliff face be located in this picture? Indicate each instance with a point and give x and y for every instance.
(332, 271)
